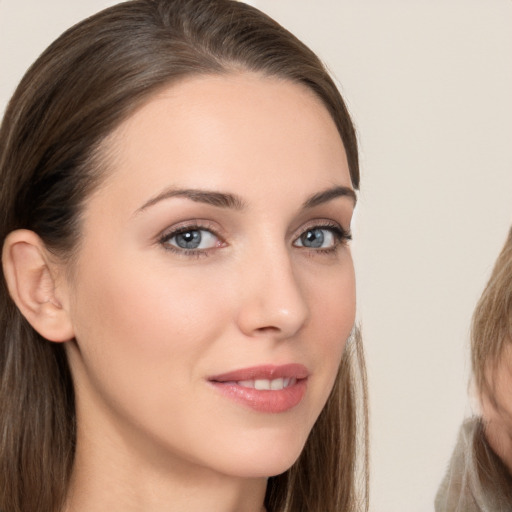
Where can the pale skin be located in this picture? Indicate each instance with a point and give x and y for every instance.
(255, 165)
(498, 413)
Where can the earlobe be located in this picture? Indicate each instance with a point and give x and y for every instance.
(30, 278)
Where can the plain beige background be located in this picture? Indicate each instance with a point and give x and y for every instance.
(428, 83)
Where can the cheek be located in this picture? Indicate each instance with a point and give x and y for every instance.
(144, 335)
(497, 413)
(135, 320)
(333, 303)
(500, 412)
(333, 307)
(135, 296)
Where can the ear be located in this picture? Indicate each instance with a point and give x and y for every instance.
(31, 280)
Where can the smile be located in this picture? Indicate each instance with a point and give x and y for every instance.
(266, 389)
(267, 384)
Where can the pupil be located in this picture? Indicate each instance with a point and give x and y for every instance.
(189, 239)
(313, 238)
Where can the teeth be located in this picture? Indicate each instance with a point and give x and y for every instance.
(262, 384)
(267, 385)
(277, 384)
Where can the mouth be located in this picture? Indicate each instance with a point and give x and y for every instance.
(266, 389)
(267, 384)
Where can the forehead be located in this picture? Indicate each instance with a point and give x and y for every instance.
(228, 130)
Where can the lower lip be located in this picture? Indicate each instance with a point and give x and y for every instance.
(269, 401)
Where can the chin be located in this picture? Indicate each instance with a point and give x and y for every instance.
(266, 459)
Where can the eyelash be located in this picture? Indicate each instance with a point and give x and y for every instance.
(193, 226)
(341, 236)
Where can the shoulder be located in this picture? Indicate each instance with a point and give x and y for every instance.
(463, 489)
(458, 490)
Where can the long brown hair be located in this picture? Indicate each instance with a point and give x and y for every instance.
(491, 333)
(83, 86)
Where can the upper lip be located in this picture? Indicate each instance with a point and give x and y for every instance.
(270, 372)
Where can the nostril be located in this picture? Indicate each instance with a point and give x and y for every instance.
(270, 329)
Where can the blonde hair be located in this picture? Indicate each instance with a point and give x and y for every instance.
(491, 332)
(492, 321)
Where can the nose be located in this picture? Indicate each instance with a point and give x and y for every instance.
(272, 300)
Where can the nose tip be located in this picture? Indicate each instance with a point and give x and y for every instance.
(273, 303)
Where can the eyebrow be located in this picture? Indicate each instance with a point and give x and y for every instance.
(234, 202)
(329, 195)
(219, 199)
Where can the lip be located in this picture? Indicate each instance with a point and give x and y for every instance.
(267, 400)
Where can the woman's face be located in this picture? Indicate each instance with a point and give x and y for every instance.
(213, 266)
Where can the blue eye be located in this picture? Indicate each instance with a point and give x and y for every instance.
(321, 238)
(316, 238)
(191, 239)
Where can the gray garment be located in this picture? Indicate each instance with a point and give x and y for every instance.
(461, 489)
